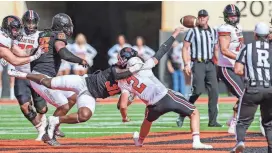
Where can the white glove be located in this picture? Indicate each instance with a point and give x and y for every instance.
(38, 53)
(4, 62)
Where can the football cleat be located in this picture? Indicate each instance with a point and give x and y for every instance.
(239, 148)
(59, 133)
(232, 127)
(199, 145)
(136, 139)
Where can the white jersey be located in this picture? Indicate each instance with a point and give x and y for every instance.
(5, 40)
(236, 43)
(27, 42)
(144, 85)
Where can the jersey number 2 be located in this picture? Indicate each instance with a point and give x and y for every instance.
(135, 84)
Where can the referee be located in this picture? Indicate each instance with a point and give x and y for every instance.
(202, 43)
(256, 59)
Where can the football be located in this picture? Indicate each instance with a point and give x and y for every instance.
(188, 21)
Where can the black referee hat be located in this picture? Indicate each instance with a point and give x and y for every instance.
(203, 13)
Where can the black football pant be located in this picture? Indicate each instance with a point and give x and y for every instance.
(254, 96)
(234, 82)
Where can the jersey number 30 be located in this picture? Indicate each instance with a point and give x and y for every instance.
(135, 84)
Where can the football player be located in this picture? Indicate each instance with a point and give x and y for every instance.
(10, 32)
(23, 90)
(156, 96)
(231, 41)
(87, 88)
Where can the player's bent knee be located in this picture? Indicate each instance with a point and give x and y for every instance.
(84, 114)
(195, 112)
(22, 99)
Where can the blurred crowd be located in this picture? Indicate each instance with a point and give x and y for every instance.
(80, 47)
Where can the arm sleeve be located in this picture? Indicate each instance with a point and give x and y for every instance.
(68, 56)
(189, 36)
(240, 58)
(121, 75)
(60, 36)
(164, 48)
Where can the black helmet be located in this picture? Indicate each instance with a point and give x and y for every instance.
(30, 21)
(124, 55)
(62, 22)
(12, 26)
(231, 10)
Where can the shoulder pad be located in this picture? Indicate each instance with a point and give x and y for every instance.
(224, 30)
(134, 61)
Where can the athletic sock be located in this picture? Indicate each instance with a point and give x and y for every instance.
(141, 140)
(0, 92)
(11, 95)
(196, 138)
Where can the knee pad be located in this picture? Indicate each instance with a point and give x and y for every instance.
(31, 115)
(41, 110)
(22, 99)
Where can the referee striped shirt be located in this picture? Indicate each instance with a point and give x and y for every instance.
(257, 59)
(202, 42)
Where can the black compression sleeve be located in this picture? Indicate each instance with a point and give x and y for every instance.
(164, 48)
(121, 75)
(68, 56)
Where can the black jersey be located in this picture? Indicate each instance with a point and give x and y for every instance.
(49, 62)
(102, 84)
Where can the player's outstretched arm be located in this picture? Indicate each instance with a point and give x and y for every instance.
(67, 55)
(15, 60)
(166, 46)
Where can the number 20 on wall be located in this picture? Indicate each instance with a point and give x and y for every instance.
(256, 8)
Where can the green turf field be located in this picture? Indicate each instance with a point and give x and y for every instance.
(107, 121)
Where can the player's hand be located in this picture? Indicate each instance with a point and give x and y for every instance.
(37, 54)
(4, 62)
(84, 63)
(177, 31)
(187, 70)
